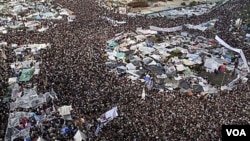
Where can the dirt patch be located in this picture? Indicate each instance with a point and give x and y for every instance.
(157, 0)
(218, 79)
(138, 4)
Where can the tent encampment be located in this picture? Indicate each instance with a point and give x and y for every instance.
(234, 49)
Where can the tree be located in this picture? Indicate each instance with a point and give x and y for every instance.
(193, 3)
(183, 4)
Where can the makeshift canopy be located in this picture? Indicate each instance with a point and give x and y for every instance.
(234, 49)
(211, 64)
(12, 80)
(6, 99)
(120, 55)
(184, 84)
(112, 44)
(26, 74)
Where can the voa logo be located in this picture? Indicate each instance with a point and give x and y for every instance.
(236, 132)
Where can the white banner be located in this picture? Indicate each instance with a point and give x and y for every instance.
(108, 116)
(198, 27)
(142, 31)
(203, 26)
(65, 110)
(234, 81)
(113, 21)
(171, 29)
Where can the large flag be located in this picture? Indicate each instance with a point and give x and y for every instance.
(53, 94)
(108, 116)
(98, 128)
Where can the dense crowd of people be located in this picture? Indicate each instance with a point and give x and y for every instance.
(75, 68)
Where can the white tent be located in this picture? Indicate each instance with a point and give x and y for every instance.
(211, 64)
(234, 49)
(248, 35)
(40, 139)
(79, 136)
(130, 66)
(143, 95)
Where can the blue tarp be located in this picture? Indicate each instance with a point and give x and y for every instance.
(37, 117)
(245, 27)
(74, 131)
(32, 114)
(150, 44)
(147, 78)
(65, 130)
(27, 139)
(16, 74)
(158, 65)
(37, 17)
(192, 56)
(228, 58)
(207, 25)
